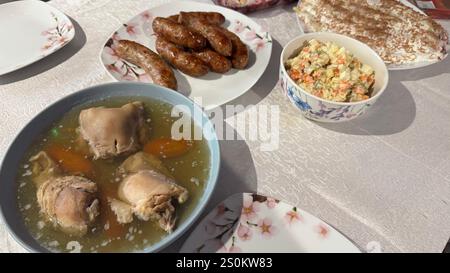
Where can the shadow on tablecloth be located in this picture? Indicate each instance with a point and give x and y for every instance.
(50, 61)
(395, 110)
(237, 174)
(263, 86)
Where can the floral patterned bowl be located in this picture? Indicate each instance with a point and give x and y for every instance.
(318, 109)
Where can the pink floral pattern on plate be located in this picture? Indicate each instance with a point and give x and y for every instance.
(117, 66)
(293, 216)
(257, 39)
(57, 36)
(251, 222)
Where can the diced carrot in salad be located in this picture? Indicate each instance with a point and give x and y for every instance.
(295, 74)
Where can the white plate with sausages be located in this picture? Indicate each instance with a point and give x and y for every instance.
(30, 31)
(211, 89)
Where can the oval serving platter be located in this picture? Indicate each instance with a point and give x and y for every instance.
(304, 29)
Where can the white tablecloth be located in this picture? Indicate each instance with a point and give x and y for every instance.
(383, 178)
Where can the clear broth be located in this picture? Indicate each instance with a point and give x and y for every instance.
(190, 170)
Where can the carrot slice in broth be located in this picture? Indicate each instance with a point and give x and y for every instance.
(168, 148)
(71, 161)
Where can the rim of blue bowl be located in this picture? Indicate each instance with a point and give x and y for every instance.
(210, 186)
(382, 89)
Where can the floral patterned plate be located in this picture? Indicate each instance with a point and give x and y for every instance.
(247, 222)
(30, 31)
(213, 89)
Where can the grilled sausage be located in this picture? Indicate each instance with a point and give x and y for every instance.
(240, 55)
(174, 17)
(180, 59)
(216, 38)
(178, 34)
(213, 18)
(216, 62)
(160, 72)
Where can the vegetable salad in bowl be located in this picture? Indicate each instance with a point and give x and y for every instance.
(331, 77)
(329, 71)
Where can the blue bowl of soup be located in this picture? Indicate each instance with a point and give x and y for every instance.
(196, 170)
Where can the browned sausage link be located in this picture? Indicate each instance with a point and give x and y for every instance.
(213, 18)
(216, 38)
(154, 66)
(240, 55)
(178, 34)
(182, 60)
(216, 62)
(173, 18)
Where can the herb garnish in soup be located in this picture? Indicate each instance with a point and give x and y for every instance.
(108, 177)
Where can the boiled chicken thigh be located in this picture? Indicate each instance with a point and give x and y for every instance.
(113, 131)
(147, 191)
(69, 202)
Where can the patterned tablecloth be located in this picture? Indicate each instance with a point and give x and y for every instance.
(384, 177)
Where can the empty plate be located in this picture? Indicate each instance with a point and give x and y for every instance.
(247, 222)
(30, 31)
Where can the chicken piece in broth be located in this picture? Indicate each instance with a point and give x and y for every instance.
(147, 191)
(142, 161)
(110, 132)
(43, 168)
(69, 202)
